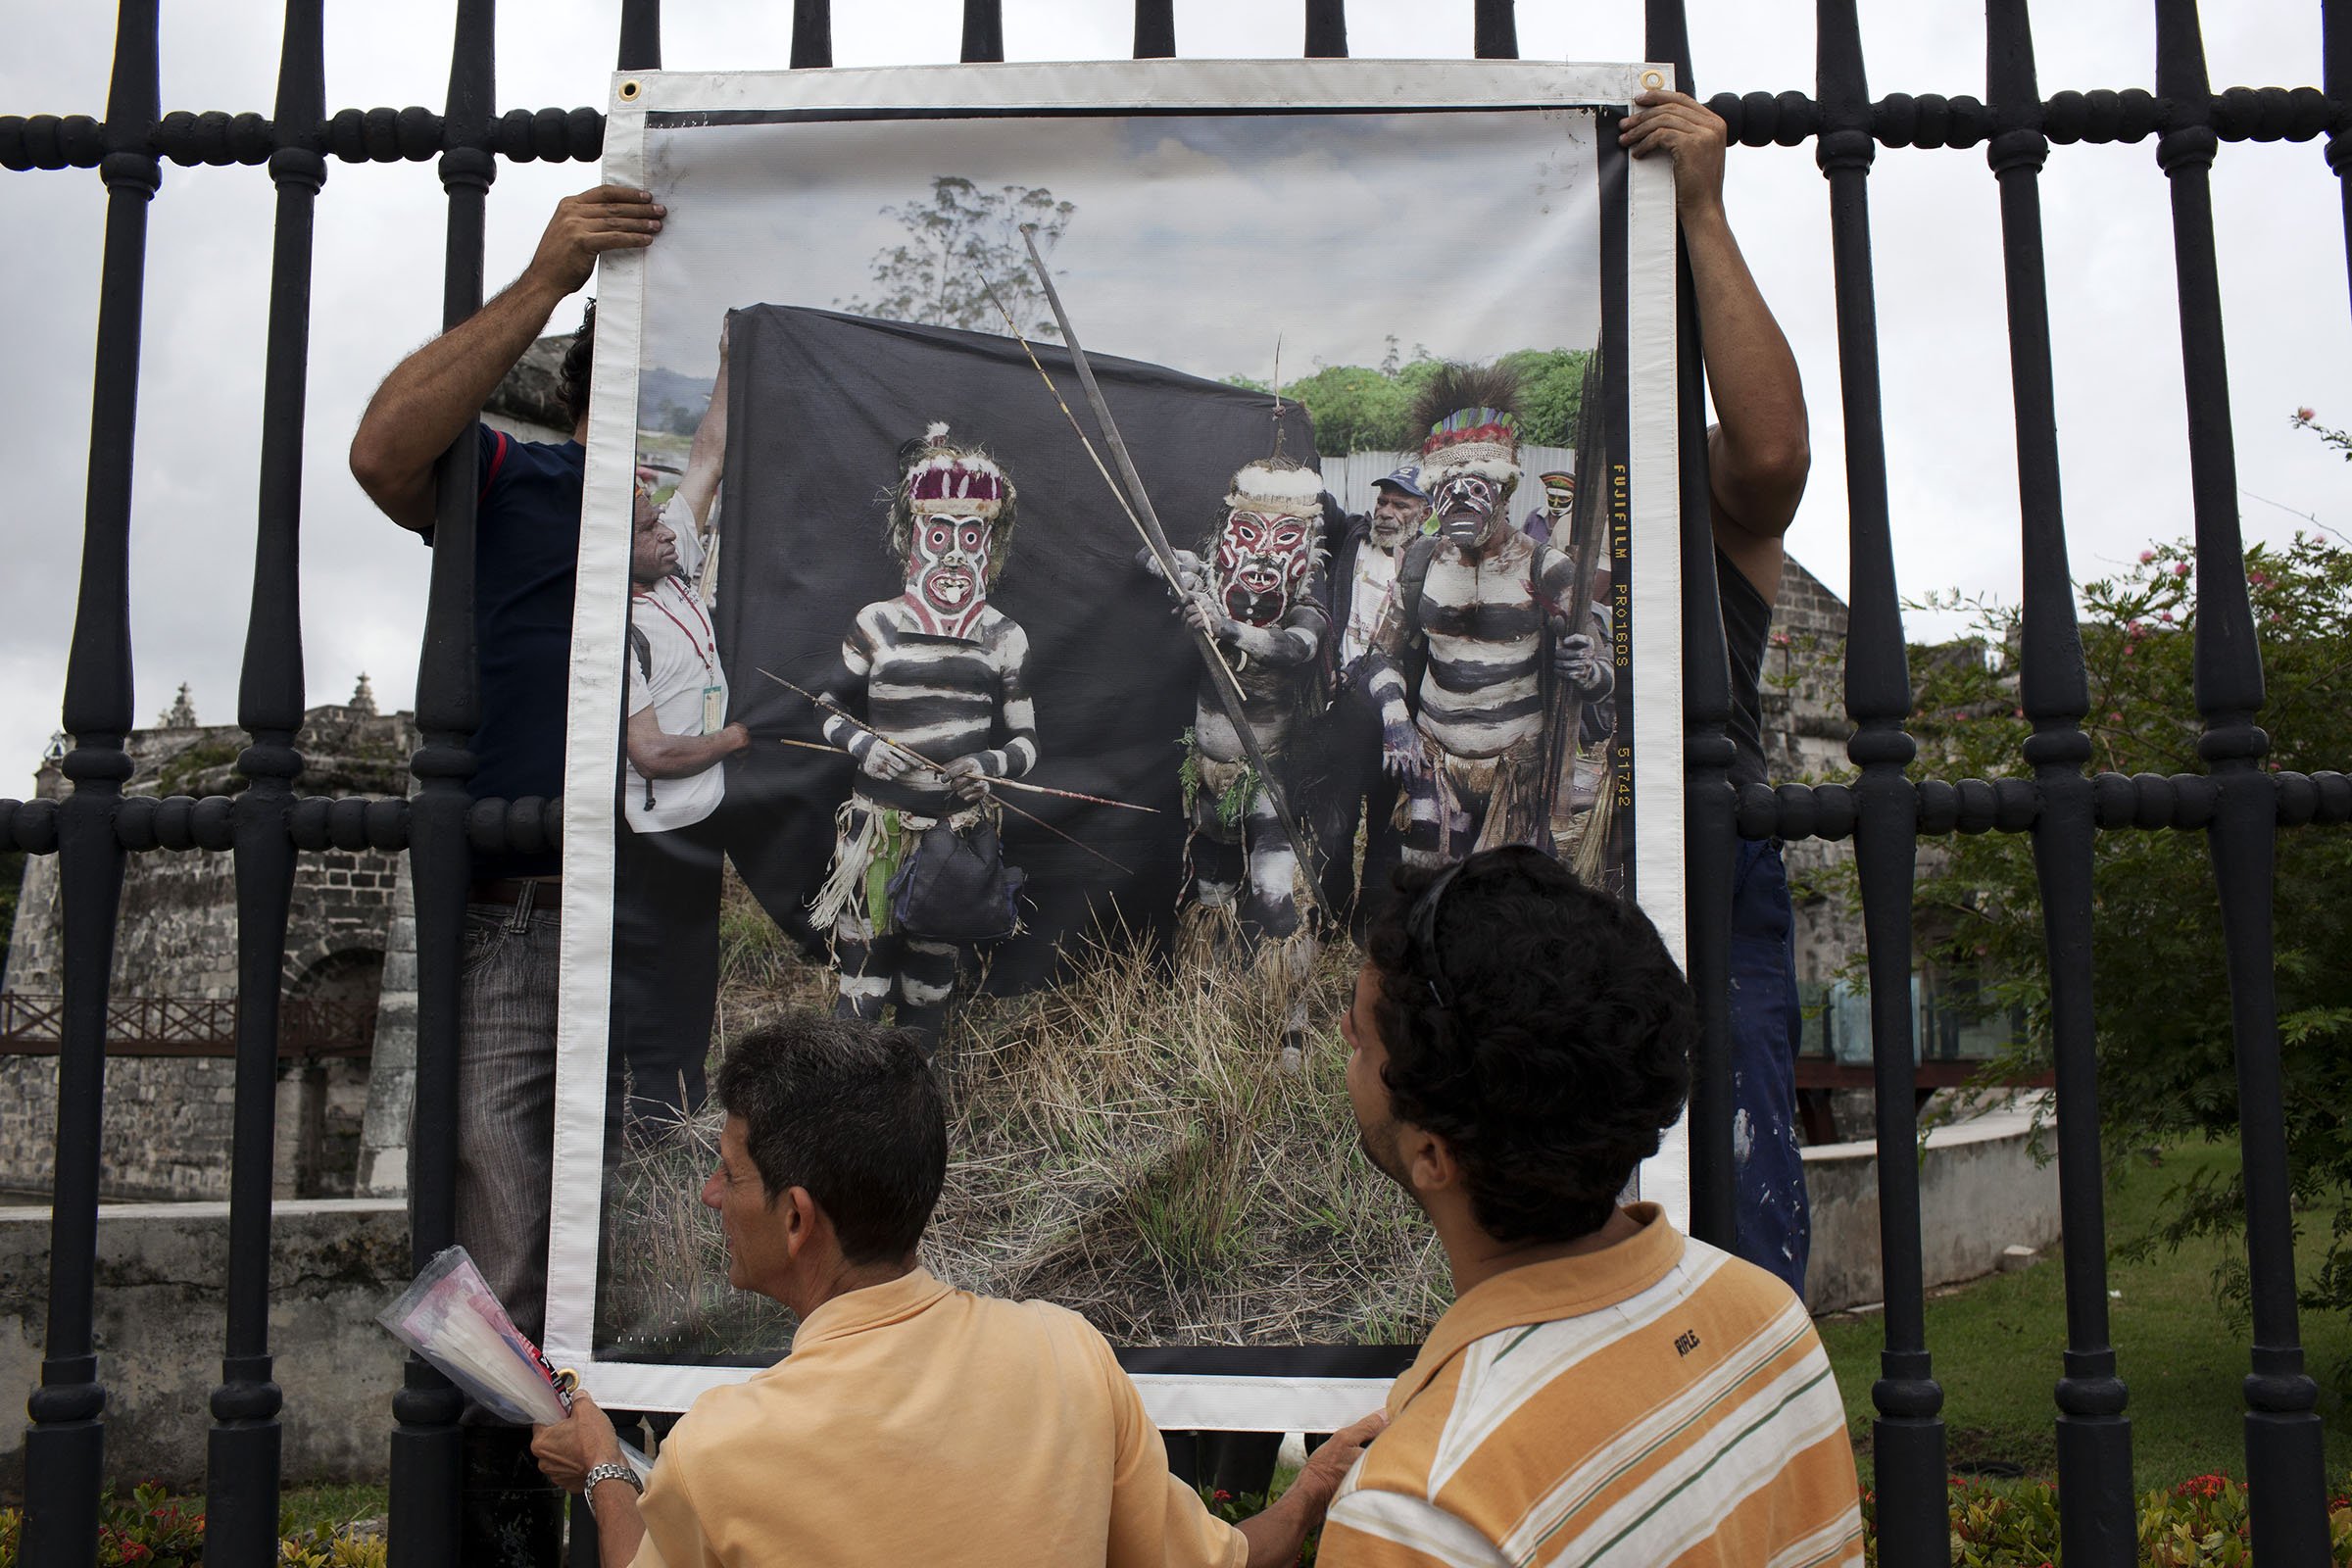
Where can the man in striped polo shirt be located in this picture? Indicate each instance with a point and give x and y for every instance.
(1604, 1389)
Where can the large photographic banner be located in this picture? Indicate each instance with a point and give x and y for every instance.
(891, 695)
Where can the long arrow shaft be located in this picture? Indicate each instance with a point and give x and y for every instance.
(1229, 690)
(1031, 816)
(999, 783)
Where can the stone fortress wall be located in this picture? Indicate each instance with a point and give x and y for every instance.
(168, 1119)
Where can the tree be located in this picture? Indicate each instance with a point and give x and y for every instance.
(960, 243)
(2167, 1069)
(1356, 409)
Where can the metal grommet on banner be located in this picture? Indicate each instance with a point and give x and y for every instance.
(631, 91)
(1651, 81)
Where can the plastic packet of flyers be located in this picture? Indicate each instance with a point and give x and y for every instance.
(451, 1318)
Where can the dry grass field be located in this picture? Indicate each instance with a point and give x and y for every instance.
(1124, 1144)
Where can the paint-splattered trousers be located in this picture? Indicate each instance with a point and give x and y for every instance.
(1775, 1219)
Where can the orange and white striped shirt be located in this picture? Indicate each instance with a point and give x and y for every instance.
(1654, 1402)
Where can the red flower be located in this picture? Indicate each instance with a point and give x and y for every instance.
(1222, 1495)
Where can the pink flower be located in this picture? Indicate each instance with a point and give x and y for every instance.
(2135, 628)
(2115, 718)
(2259, 579)
(2277, 617)
(2180, 569)
(2021, 712)
(2164, 615)
(2146, 556)
(2305, 416)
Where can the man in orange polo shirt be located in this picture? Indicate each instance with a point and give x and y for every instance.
(911, 1423)
(1604, 1389)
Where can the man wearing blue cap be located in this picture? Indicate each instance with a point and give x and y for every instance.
(1365, 550)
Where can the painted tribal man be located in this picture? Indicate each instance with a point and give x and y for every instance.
(1253, 595)
(917, 871)
(1472, 645)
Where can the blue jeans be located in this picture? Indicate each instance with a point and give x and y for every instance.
(1774, 1220)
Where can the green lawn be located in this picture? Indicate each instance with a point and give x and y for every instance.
(303, 1509)
(1997, 1346)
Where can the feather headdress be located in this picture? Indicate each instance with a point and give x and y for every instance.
(1471, 414)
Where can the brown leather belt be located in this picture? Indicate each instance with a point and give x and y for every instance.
(547, 891)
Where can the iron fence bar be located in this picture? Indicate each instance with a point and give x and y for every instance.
(425, 1451)
(242, 1461)
(982, 32)
(2097, 1517)
(1326, 30)
(1907, 1437)
(1495, 29)
(1154, 29)
(1708, 800)
(64, 1448)
(2335, 79)
(2282, 1424)
(640, 47)
(811, 35)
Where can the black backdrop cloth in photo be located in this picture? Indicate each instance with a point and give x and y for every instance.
(818, 405)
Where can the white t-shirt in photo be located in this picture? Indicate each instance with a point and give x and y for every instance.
(687, 689)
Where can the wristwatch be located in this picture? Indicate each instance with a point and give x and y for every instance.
(611, 1470)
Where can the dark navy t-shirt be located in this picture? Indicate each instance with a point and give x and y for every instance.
(525, 554)
(1746, 622)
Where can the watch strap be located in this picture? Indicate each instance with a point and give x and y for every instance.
(611, 1471)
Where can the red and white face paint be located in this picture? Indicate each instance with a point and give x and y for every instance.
(1262, 563)
(947, 573)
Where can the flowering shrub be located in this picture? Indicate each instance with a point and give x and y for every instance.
(2014, 1524)
(152, 1529)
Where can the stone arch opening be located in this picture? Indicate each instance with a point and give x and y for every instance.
(326, 1036)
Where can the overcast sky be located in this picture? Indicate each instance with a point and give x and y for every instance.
(1186, 246)
(379, 238)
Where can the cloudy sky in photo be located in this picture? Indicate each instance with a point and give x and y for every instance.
(1936, 234)
(1195, 244)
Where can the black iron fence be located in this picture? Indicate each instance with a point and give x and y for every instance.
(2236, 802)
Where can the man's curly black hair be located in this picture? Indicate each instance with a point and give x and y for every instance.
(1566, 1049)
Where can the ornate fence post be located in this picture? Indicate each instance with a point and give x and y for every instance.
(1326, 30)
(2336, 25)
(1708, 800)
(640, 35)
(1154, 29)
(1495, 29)
(2097, 1519)
(241, 1471)
(982, 32)
(1907, 1439)
(425, 1449)
(2282, 1423)
(811, 35)
(64, 1448)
